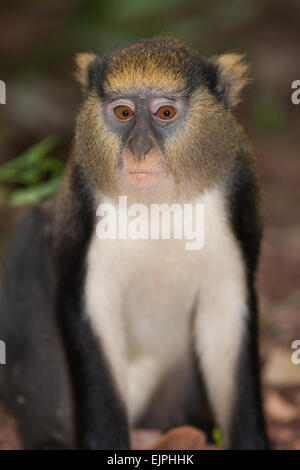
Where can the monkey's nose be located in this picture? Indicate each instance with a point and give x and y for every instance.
(139, 146)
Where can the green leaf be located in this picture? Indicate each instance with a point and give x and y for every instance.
(217, 437)
(35, 172)
(31, 157)
(36, 193)
(51, 165)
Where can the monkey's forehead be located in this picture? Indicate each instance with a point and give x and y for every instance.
(159, 63)
(121, 81)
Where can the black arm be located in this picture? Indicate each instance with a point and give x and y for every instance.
(102, 421)
(247, 427)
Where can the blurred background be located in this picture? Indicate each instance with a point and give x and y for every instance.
(38, 41)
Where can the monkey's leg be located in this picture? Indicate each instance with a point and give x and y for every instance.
(225, 340)
(101, 416)
(247, 420)
(226, 344)
(34, 382)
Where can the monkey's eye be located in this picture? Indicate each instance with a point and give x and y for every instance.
(123, 112)
(165, 112)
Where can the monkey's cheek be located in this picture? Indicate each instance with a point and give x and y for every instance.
(146, 180)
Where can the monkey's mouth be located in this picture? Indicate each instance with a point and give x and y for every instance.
(145, 179)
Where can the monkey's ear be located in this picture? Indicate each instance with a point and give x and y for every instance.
(232, 76)
(83, 61)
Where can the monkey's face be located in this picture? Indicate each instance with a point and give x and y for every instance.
(157, 111)
(144, 122)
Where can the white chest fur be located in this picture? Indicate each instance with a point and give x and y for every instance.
(141, 296)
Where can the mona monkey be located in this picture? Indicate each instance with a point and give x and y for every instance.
(104, 335)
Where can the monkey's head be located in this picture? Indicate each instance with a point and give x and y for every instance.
(156, 111)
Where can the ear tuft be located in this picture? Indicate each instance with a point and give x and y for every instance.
(232, 73)
(83, 61)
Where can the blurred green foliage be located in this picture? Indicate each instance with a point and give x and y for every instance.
(100, 26)
(269, 114)
(217, 437)
(32, 176)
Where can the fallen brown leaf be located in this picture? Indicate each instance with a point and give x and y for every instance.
(181, 438)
